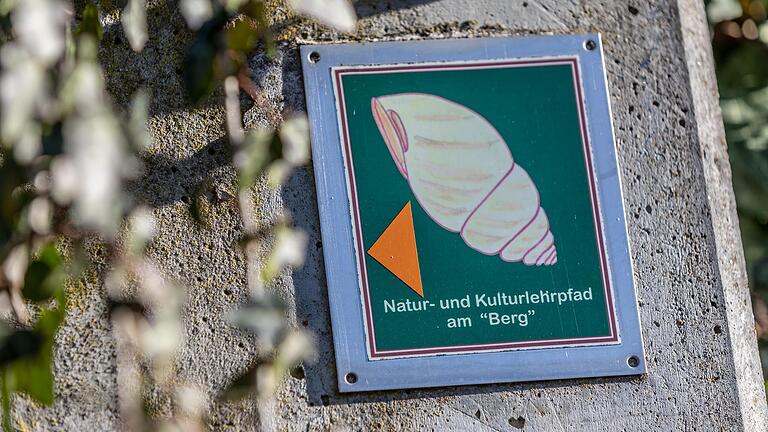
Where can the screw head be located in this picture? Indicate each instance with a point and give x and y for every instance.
(314, 57)
(590, 45)
(633, 361)
(350, 378)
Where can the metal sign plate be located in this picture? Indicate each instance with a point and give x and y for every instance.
(471, 210)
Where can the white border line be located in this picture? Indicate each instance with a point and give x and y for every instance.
(573, 61)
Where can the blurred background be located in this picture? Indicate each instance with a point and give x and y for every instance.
(740, 44)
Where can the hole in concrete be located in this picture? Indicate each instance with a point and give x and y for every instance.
(718, 329)
(314, 57)
(174, 169)
(325, 399)
(682, 122)
(185, 199)
(350, 378)
(298, 372)
(633, 361)
(466, 25)
(525, 4)
(517, 422)
(633, 10)
(478, 414)
(211, 151)
(590, 45)
(305, 323)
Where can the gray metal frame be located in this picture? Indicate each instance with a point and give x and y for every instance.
(356, 372)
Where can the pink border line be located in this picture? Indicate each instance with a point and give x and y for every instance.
(373, 353)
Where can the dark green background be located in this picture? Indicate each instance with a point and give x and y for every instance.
(534, 109)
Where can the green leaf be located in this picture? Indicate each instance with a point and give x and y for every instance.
(53, 139)
(11, 176)
(20, 344)
(140, 230)
(723, 10)
(257, 11)
(90, 23)
(260, 150)
(263, 316)
(137, 125)
(294, 136)
(268, 371)
(245, 385)
(288, 251)
(200, 77)
(199, 70)
(134, 19)
(13, 197)
(296, 347)
(50, 319)
(742, 70)
(338, 14)
(242, 37)
(44, 276)
(196, 12)
(278, 173)
(34, 376)
(9, 180)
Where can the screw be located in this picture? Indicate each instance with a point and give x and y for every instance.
(314, 57)
(633, 361)
(590, 45)
(351, 378)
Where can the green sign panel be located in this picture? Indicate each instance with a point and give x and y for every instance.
(474, 207)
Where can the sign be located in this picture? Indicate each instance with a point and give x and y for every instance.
(473, 201)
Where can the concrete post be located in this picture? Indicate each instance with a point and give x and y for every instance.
(695, 311)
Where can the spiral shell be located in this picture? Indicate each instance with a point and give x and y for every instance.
(463, 175)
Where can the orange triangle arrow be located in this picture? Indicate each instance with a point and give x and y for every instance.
(395, 249)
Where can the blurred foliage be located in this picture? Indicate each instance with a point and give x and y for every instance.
(740, 45)
(66, 158)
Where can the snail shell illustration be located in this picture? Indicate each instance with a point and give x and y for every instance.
(463, 175)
